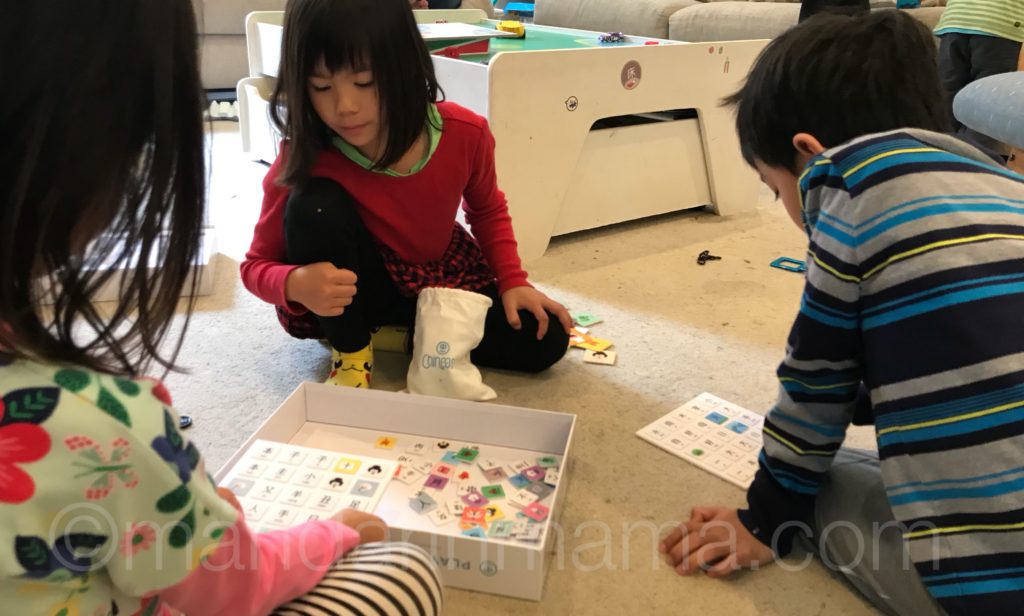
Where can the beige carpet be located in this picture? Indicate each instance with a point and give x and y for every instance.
(679, 329)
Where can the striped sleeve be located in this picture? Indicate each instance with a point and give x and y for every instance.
(819, 392)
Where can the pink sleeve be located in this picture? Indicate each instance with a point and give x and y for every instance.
(254, 573)
(264, 270)
(488, 217)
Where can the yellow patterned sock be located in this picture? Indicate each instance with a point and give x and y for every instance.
(394, 338)
(351, 369)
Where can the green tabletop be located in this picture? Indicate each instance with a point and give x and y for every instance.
(539, 39)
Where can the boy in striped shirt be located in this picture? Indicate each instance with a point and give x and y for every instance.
(912, 319)
(978, 38)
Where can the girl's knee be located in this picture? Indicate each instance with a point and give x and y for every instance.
(554, 345)
(548, 350)
(318, 199)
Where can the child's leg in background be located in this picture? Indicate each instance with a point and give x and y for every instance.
(509, 349)
(375, 578)
(954, 66)
(322, 224)
(964, 58)
(872, 557)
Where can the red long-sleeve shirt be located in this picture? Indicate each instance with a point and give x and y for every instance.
(412, 214)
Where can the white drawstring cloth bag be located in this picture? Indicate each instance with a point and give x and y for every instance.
(449, 324)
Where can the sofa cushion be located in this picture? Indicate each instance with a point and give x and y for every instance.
(733, 21)
(228, 16)
(992, 107)
(223, 61)
(737, 21)
(929, 16)
(636, 17)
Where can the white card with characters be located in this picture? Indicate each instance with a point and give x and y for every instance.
(713, 434)
(281, 485)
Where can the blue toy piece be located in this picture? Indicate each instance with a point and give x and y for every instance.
(524, 9)
(790, 265)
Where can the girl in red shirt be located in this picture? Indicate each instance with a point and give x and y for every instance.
(359, 210)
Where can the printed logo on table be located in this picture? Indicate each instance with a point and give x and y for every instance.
(631, 75)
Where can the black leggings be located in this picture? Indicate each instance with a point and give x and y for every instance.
(965, 58)
(321, 223)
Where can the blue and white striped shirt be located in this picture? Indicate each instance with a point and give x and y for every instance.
(914, 310)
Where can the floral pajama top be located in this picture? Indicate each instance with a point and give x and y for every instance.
(102, 500)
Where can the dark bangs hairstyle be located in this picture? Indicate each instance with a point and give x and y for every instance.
(376, 35)
(101, 167)
(838, 78)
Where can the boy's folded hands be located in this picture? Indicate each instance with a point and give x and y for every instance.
(714, 541)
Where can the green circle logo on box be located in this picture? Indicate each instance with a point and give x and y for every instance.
(443, 348)
(631, 75)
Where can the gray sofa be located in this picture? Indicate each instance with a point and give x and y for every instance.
(688, 20)
(222, 36)
(222, 24)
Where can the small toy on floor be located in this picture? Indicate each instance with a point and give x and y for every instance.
(790, 265)
(706, 256)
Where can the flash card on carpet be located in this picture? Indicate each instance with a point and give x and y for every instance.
(713, 434)
(604, 358)
(576, 337)
(587, 342)
(585, 319)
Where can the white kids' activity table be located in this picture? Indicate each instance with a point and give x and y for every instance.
(588, 133)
